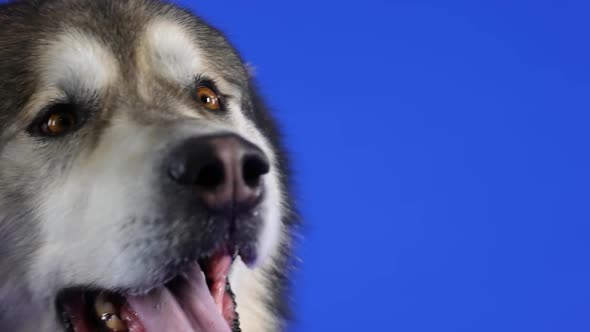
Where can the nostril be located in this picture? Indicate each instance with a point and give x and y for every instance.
(254, 167)
(223, 171)
(210, 175)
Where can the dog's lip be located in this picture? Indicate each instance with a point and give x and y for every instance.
(76, 305)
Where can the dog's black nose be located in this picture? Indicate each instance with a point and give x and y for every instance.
(224, 170)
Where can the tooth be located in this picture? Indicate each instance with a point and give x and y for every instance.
(116, 324)
(107, 312)
(103, 307)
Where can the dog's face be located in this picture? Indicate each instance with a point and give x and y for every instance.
(131, 146)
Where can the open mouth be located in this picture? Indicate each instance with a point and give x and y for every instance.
(199, 300)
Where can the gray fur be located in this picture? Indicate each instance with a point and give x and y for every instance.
(99, 187)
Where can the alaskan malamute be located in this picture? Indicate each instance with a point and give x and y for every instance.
(143, 186)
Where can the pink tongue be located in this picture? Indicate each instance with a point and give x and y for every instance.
(189, 307)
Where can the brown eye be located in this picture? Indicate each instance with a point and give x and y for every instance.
(208, 98)
(58, 123)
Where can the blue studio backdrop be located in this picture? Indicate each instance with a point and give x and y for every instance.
(442, 158)
(441, 151)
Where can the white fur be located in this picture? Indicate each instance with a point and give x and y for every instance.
(173, 52)
(77, 62)
(250, 285)
(274, 200)
(83, 212)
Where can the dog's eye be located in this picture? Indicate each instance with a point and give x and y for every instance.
(59, 121)
(209, 98)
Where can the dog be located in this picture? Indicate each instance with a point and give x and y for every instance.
(144, 186)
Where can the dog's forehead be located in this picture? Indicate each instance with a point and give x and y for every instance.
(79, 60)
(76, 62)
(178, 50)
(171, 51)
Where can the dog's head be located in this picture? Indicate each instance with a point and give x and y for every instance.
(132, 146)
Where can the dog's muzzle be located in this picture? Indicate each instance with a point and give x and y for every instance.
(224, 170)
(215, 177)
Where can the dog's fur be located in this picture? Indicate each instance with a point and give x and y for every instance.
(88, 208)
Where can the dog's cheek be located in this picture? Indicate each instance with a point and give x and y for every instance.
(272, 230)
(87, 216)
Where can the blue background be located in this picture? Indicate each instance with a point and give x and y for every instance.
(442, 158)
